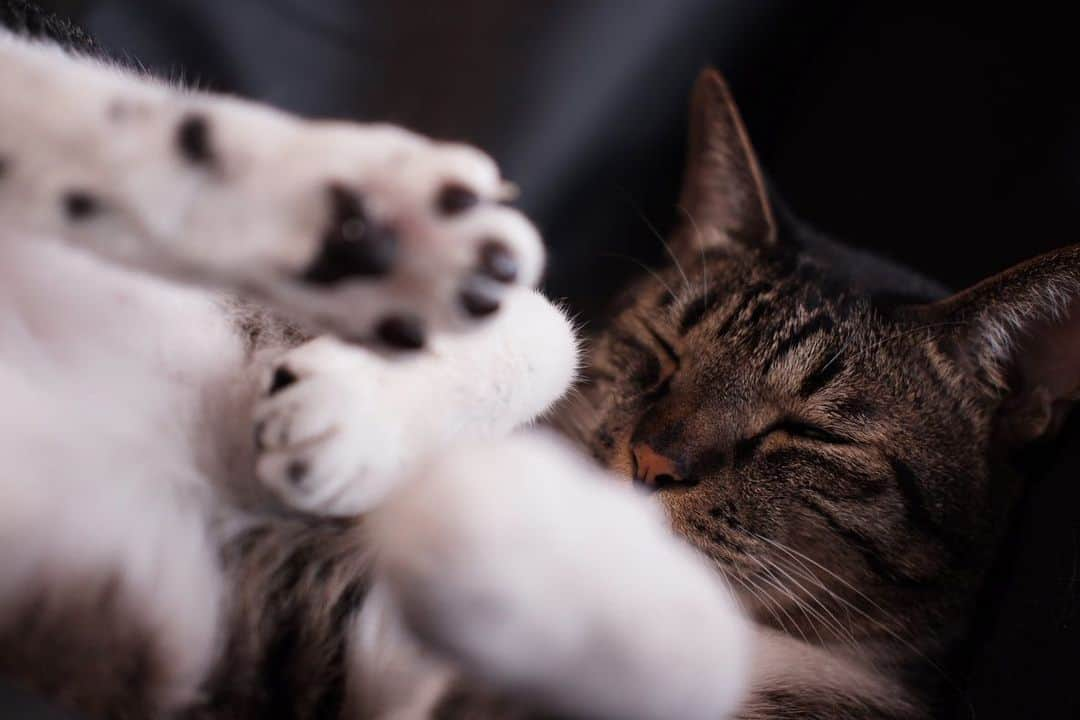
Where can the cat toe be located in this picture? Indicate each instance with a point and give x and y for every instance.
(410, 240)
(318, 448)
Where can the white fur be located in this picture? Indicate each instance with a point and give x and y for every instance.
(357, 420)
(127, 405)
(394, 676)
(107, 434)
(253, 216)
(542, 574)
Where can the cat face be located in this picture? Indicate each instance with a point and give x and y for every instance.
(813, 421)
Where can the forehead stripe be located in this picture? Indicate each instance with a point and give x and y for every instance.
(832, 366)
(813, 326)
(745, 299)
(696, 310)
(817, 324)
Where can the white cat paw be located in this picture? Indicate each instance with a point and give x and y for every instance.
(399, 235)
(366, 231)
(322, 444)
(542, 577)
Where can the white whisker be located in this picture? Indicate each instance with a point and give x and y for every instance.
(881, 625)
(701, 245)
(774, 582)
(658, 236)
(646, 268)
(832, 622)
(766, 597)
(755, 593)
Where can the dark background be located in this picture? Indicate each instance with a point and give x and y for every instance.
(944, 137)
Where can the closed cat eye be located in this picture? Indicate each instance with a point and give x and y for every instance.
(794, 428)
(808, 432)
(669, 359)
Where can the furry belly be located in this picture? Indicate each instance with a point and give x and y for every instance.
(111, 351)
(117, 392)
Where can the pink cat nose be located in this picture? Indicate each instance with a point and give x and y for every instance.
(654, 469)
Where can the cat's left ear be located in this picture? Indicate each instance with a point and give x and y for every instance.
(723, 194)
(1018, 333)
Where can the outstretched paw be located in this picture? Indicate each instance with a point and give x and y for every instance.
(366, 231)
(539, 576)
(410, 236)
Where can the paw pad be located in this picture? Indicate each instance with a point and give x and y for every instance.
(80, 205)
(404, 332)
(497, 262)
(479, 298)
(455, 199)
(283, 378)
(296, 472)
(353, 245)
(193, 140)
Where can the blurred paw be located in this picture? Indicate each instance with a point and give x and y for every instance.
(527, 565)
(324, 441)
(373, 233)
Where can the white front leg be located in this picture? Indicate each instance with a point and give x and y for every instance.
(337, 425)
(367, 231)
(545, 578)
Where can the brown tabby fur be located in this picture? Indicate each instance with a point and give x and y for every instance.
(54, 642)
(296, 583)
(829, 432)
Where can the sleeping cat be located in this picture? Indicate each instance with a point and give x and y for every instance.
(828, 432)
(831, 431)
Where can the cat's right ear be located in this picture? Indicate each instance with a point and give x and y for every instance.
(723, 194)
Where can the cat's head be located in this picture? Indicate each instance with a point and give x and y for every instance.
(821, 424)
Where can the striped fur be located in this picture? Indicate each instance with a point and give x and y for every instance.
(839, 429)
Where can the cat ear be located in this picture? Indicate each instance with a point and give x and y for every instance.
(723, 191)
(1019, 332)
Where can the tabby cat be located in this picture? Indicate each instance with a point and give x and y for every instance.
(833, 432)
(206, 513)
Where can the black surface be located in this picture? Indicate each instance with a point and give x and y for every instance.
(945, 137)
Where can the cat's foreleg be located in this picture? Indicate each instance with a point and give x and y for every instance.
(548, 581)
(363, 230)
(335, 425)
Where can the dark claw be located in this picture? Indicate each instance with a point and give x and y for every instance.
(283, 378)
(80, 205)
(193, 140)
(353, 245)
(404, 332)
(479, 298)
(455, 198)
(497, 262)
(297, 470)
